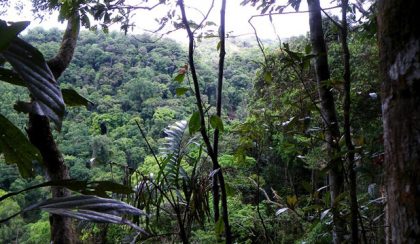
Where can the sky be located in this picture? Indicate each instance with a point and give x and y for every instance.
(282, 26)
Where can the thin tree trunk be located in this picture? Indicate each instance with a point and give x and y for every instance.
(328, 112)
(354, 209)
(40, 135)
(216, 165)
(212, 152)
(399, 45)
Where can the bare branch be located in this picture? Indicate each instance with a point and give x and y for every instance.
(205, 16)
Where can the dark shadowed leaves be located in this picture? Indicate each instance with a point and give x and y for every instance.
(11, 77)
(89, 208)
(295, 4)
(99, 188)
(30, 65)
(16, 148)
(9, 32)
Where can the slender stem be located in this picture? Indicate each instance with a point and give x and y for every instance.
(347, 127)
(267, 238)
(210, 149)
(219, 112)
(195, 78)
(199, 102)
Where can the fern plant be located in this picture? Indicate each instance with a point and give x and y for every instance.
(179, 188)
(176, 147)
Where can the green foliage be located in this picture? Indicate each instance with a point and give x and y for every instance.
(31, 66)
(10, 231)
(72, 98)
(194, 124)
(37, 232)
(273, 136)
(17, 149)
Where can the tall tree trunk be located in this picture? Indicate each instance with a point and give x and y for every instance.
(354, 209)
(399, 43)
(328, 113)
(40, 135)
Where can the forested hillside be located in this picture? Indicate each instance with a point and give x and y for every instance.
(272, 135)
(109, 137)
(126, 79)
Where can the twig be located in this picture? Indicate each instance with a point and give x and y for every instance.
(205, 16)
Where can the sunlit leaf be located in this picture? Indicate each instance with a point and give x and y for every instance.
(72, 98)
(194, 123)
(180, 78)
(216, 122)
(325, 213)
(281, 210)
(268, 77)
(291, 201)
(219, 227)
(181, 91)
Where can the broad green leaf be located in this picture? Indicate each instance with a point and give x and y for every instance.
(72, 98)
(194, 123)
(10, 32)
(89, 208)
(17, 149)
(181, 91)
(291, 201)
(268, 77)
(219, 228)
(216, 122)
(219, 44)
(180, 78)
(30, 64)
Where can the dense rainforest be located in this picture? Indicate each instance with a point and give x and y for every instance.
(110, 137)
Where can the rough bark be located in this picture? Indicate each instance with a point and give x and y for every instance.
(40, 135)
(399, 43)
(328, 112)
